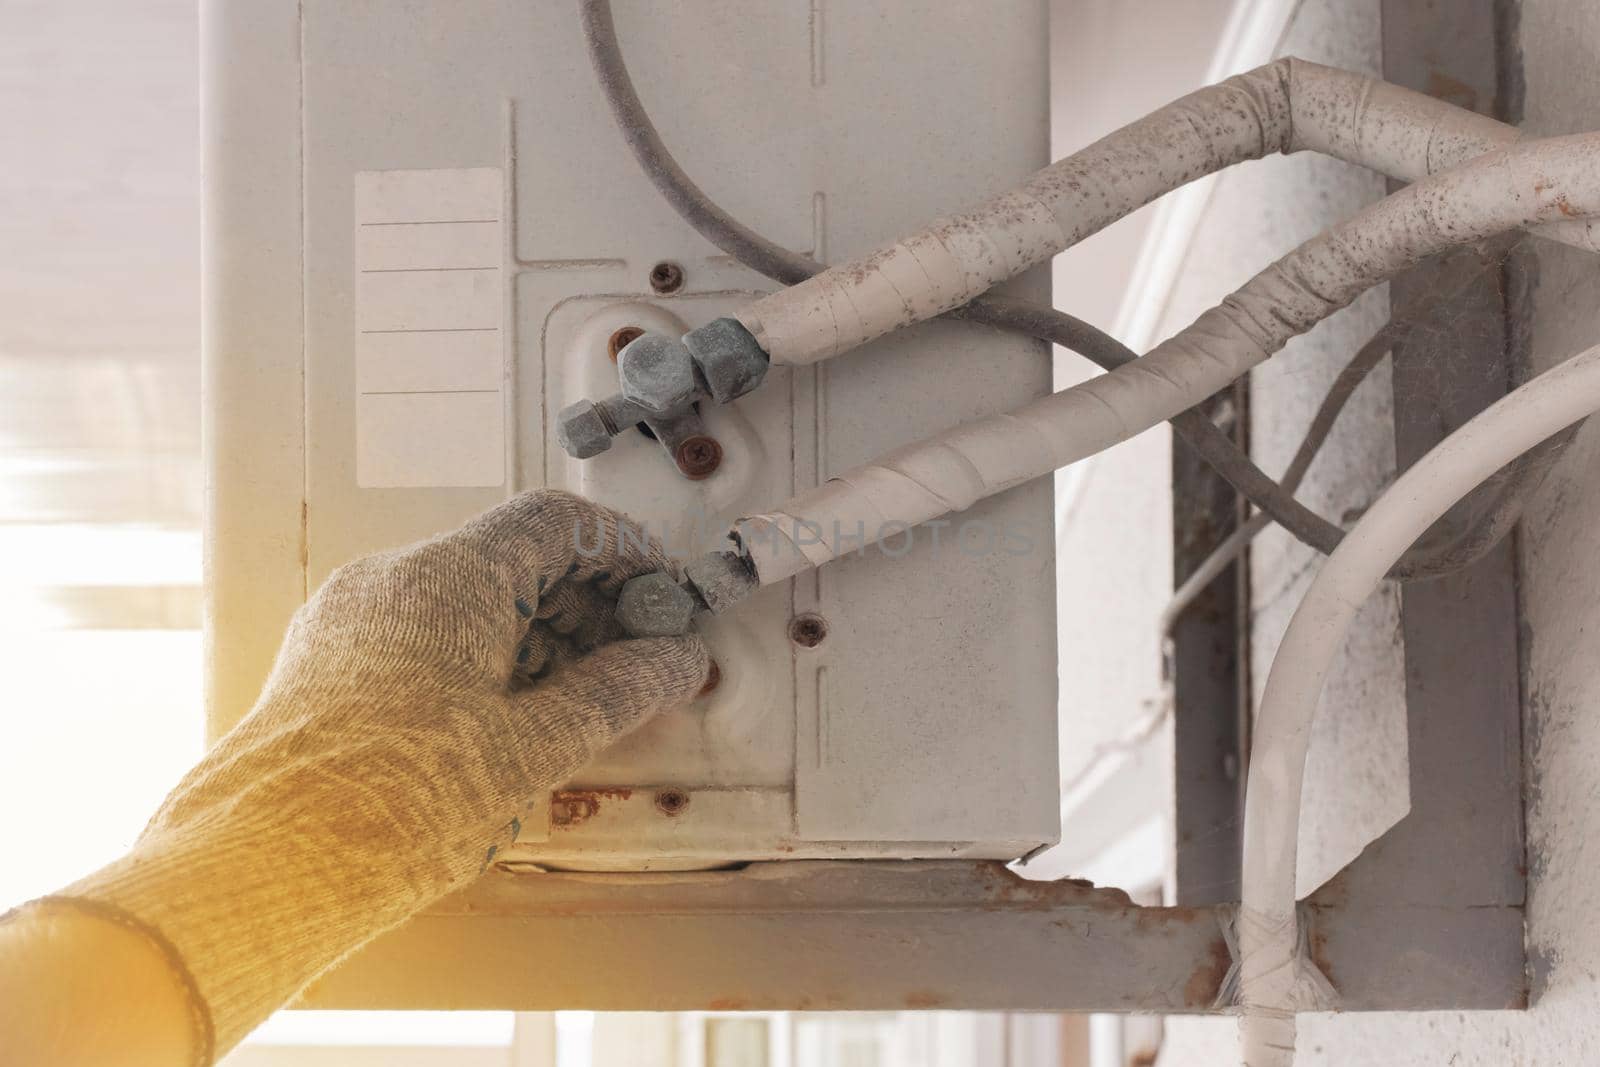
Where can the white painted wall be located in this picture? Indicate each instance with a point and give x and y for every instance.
(1113, 61)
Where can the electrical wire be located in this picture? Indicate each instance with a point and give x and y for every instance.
(1432, 557)
(1366, 359)
(1274, 501)
(659, 165)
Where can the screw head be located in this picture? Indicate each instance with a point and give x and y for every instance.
(666, 277)
(620, 339)
(808, 630)
(698, 456)
(671, 802)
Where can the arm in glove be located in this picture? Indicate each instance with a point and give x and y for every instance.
(420, 701)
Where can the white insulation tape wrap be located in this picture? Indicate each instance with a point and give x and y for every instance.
(1286, 106)
(1523, 184)
(1276, 981)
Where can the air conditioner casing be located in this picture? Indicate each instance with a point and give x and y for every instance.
(421, 227)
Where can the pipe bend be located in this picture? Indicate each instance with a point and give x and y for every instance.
(1505, 430)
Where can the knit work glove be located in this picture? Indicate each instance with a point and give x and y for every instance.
(420, 700)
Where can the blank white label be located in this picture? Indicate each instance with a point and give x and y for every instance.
(430, 407)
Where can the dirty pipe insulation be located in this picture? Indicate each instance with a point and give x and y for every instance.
(1520, 185)
(1276, 503)
(1286, 106)
(1541, 184)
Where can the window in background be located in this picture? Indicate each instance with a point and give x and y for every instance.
(99, 429)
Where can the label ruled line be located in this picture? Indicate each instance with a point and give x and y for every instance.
(429, 222)
(418, 270)
(424, 392)
(451, 329)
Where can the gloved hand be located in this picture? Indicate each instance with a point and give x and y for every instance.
(420, 701)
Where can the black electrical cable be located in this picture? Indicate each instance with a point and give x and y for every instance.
(1198, 432)
(1437, 554)
(658, 164)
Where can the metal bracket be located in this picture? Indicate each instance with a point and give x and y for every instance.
(796, 935)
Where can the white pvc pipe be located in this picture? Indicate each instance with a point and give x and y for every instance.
(1286, 106)
(1524, 184)
(1270, 973)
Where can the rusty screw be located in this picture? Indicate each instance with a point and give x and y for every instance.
(713, 679)
(666, 277)
(621, 339)
(698, 456)
(808, 630)
(671, 802)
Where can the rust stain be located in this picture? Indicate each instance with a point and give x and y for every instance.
(713, 679)
(919, 999)
(1144, 1058)
(621, 339)
(305, 539)
(1454, 90)
(1003, 888)
(1319, 953)
(1564, 206)
(571, 807)
(672, 802)
(1145, 919)
(1200, 991)
(822, 1002)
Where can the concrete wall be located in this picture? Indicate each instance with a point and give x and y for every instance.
(1355, 778)
(1560, 586)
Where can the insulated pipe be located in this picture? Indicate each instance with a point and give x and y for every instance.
(1523, 184)
(1286, 106)
(1271, 974)
(580, 435)
(1276, 503)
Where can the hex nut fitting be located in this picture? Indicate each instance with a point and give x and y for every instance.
(730, 361)
(583, 430)
(653, 605)
(722, 579)
(657, 374)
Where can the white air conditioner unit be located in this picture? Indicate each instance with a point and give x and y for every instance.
(422, 230)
